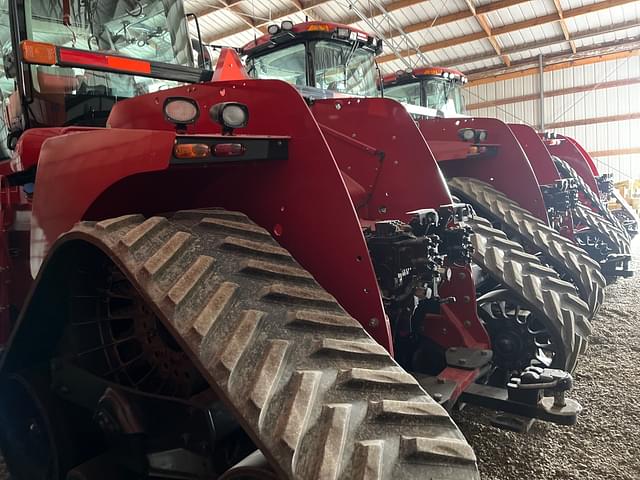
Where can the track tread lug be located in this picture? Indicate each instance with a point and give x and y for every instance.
(214, 308)
(268, 372)
(162, 258)
(234, 227)
(333, 441)
(368, 350)
(277, 270)
(142, 231)
(255, 248)
(237, 342)
(303, 387)
(368, 460)
(428, 449)
(386, 379)
(324, 320)
(429, 412)
(295, 294)
(193, 277)
(117, 223)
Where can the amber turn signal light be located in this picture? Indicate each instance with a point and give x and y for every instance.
(39, 53)
(191, 150)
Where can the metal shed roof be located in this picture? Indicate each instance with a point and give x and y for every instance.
(480, 37)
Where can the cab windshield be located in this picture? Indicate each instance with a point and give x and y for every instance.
(336, 66)
(433, 92)
(339, 67)
(143, 29)
(442, 94)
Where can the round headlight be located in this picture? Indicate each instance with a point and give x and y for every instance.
(482, 135)
(467, 134)
(273, 29)
(234, 116)
(286, 25)
(181, 111)
(230, 115)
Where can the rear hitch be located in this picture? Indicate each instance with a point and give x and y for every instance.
(537, 393)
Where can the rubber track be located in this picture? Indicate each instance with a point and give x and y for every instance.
(567, 171)
(554, 302)
(561, 253)
(614, 236)
(319, 397)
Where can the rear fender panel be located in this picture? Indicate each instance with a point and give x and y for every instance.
(390, 158)
(302, 201)
(398, 170)
(27, 152)
(537, 153)
(508, 169)
(572, 152)
(542, 165)
(75, 169)
(587, 157)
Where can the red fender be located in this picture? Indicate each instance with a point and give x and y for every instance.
(537, 153)
(587, 157)
(303, 200)
(28, 148)
(388, 156)
(76, 168)
(571, 152)
(507, 167)
(542, 165)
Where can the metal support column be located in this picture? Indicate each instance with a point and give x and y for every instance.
(541, 63)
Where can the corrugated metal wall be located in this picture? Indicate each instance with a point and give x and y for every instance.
(603, 102)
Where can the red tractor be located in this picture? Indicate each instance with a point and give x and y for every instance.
(479, 172)
(387, 168)
(547, 166)
(595, 190)
(207, 278)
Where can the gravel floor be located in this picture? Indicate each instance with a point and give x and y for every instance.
(605, 445)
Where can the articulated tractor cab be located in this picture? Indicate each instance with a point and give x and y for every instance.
(225, 279)
(436, 90)
(574, 194)
(528, 316)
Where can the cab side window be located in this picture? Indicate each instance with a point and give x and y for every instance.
(7, 84)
